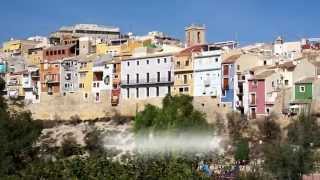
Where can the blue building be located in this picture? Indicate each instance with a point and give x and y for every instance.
(3, 68)
(228, 76)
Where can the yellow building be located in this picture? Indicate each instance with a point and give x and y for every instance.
(183, 71)
(86, 75)
(35, 56)
(18, 47)
(123, 49)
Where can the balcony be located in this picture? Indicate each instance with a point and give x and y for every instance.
(152, 81)
(182, 68)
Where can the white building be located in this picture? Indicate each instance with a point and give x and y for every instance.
(31, 85)
(287, 50)
(102, 77)
(147, 76)
(207, 73)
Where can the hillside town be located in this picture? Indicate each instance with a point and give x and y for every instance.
(87, 69)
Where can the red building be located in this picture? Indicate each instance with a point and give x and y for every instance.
(59, 52)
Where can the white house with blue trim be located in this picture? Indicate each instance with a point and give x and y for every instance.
(207, 73)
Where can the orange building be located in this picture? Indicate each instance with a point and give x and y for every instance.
(50, 77)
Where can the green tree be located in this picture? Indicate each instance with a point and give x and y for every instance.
(242, 151)
(18, 133)
(176, 115)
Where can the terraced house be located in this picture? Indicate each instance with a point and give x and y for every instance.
(85, 75)
(183, 70)
(147, 75)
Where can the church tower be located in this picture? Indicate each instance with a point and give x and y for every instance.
(195, 35)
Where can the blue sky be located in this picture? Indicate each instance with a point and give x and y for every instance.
(248, 20)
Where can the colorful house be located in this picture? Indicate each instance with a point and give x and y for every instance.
(116, 81)
(102, 77)
(207, 72)
(85, 74)
(183, 70)
(59, 52)
(257, 100)
(302, 95)
(50, 77)
(35, 56)
(69, 75)
(228, 77)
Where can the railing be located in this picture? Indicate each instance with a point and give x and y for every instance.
(182, 67)
(147, 81)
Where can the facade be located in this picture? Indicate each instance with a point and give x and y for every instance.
(228, 81)
(18, 47)
(207, 73)
(3, 68)
(31, 85)
(89, 30)
(183, 70)
(69, 78)
(35, 56)
(195, 35)
(102, 77)
(116, 81)
(287, 50)
(147, 76)
(85, 75)
(50, 77)
(303, 95)
(59, 52)
(15, 85)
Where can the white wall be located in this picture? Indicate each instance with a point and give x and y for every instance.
(207, 73)
(142, 69)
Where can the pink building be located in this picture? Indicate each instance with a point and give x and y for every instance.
(258, 104)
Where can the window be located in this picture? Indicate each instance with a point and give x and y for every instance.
(85, 95)
(138, 63)
(178, 63)
(128, 93)
(272, 83)
(137, 78)
(128, 63)
(169, 90)
(107, 80)
(216, 59)
(128, 78)
(198, 37)
(302, 88)
(47, 53)
(98, 85)
(63, 51)
(148, 92)
(55, 52)
(255, 83)
(186, 89)
(165, 60)
(185, 79)
(147, 61)
(253, 99)
(169, 76)
(59, 51)
(51, 53)
(187, 63)
(157, 93)
(158, 61)
(158, 76)
(225, 70)
(264, 62)
(286, 82)
(137, 92)
(238, 67)
(225, 83)
(97, 97)
(181, 90)
(148, 77)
